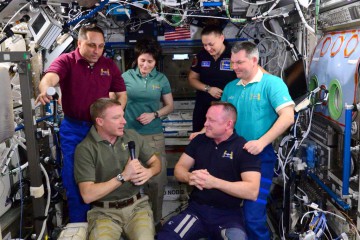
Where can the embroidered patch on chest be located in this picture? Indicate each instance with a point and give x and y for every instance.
(228, 154)
(155, 87)
(255, 96)
(225, 65)
(205, 64)
(104, 72)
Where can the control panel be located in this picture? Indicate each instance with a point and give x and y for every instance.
(346, 16)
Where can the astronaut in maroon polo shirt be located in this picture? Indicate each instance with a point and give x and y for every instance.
(84, 75)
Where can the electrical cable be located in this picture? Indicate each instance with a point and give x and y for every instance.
(226, 5)
(257, 4)
(302, 17)
(183, 17)
(277, 35)
(47, 203)
(267, 12)
(134, 4)
(320, 210)
(89, 15)
(48, 196)
(302, 191)
(351, 223)
(282, 68)
(2, 187)
(198, 16)
(26, 5)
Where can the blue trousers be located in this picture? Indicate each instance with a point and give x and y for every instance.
(255, 211)
(72, 132)
(199, 221)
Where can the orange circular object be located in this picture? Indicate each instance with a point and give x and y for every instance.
(347, 53)
(334, 52)
(323, 51)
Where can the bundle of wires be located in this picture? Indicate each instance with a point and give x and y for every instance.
(318, 225)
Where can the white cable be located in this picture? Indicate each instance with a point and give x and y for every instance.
(268, 11)
(309, 127)
(137, 25)
(320, 210)
(302, 17)
(135, 5)
(295, 125)
(25, 165)
(199, 16)
(257, 4)
(26, 5)
(47, 202)
(277, 35)
(282, 143)
(302, 191)
(47, 186)
(19, 169)
(282, 68)
(173, 14)
(282, 227)
(301, 199)
(327, 228)
(18, 141)
(118, 6)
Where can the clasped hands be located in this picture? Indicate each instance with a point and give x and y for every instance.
(201, 179)
(136, 173)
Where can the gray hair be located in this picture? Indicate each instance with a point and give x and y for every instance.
(249, 47)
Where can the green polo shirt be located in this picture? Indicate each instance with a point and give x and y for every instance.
(96, 160)
(143, 96)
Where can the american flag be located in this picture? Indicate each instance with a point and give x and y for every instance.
(177, 33)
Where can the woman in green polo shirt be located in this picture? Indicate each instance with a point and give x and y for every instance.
(146, 88)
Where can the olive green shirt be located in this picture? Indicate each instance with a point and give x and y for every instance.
(97, 160)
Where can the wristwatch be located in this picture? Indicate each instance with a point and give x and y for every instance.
(156, 114)
(120, 178)
(207, 88)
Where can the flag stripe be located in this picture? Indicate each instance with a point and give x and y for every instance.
(177, 33)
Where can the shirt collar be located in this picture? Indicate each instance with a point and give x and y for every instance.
(233, 135)
(257, 78)
(151, 74)
(97, 137)
(95, 134)
(78, 56)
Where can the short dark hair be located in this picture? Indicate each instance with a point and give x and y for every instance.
(228, 108)
(211, 29)
(89, 28)
(249, 47)
(148, 45)
(98, 107)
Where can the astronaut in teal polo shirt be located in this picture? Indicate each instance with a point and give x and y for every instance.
(146, 93)
(265, 111)
(146, 88)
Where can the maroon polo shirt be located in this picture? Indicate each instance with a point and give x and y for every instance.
(81, 84)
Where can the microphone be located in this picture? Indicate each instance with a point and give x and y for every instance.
(131, 147)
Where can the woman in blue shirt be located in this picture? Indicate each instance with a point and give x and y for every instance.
(146, 88)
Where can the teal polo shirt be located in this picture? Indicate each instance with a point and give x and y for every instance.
(257, 103)
(97, 160)
(144, 95)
